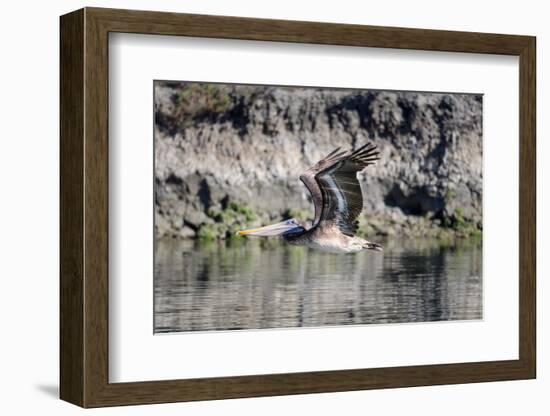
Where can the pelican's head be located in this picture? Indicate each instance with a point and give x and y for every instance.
(281, 228)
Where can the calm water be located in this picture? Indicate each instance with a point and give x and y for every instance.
(252, 284)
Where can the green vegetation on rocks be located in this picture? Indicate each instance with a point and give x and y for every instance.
(224, 223)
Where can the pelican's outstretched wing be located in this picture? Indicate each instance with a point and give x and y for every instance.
(308, 178)
(342, 201)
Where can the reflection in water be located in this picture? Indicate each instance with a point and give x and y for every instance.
(250, 284)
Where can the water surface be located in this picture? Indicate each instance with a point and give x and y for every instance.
(253, 284)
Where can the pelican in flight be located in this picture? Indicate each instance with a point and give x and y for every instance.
(338, 201)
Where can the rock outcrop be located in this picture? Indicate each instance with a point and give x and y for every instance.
(229, 156)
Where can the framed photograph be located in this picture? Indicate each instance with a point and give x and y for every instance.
(255, 207)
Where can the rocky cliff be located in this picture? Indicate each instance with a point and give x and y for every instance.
(229, 156)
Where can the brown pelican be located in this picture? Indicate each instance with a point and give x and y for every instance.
(338, 201)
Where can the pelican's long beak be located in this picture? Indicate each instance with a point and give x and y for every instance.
(269, 230)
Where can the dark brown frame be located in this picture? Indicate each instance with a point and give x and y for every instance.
(84, 209)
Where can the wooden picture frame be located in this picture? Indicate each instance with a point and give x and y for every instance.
(84, 207)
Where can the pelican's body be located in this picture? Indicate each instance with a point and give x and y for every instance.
(330, 240)
(338, 201)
